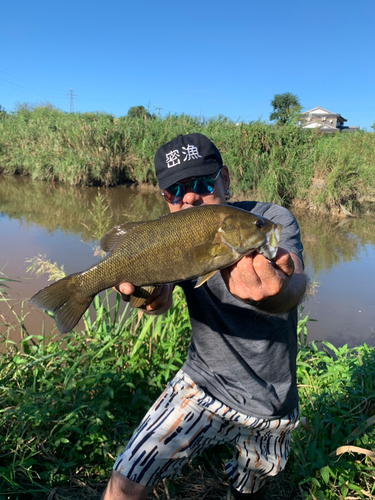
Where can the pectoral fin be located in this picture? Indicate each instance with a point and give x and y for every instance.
(204, 278)
(214, 255)
(210, 252)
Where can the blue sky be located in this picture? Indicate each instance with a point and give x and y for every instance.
(208, 57)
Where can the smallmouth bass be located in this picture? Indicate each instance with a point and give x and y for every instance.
(189, 244)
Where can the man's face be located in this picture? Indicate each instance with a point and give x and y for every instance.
(192, 199)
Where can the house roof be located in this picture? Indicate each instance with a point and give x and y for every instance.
(318, 111)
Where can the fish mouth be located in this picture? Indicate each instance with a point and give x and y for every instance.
(269, 248)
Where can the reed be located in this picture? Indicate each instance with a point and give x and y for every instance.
(69, 404)
(335, 451)
(281, 164)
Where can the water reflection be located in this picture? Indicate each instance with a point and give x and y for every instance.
(330, 242)
(66, 208)
(54, 219)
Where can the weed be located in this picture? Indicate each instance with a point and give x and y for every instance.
(69, 404)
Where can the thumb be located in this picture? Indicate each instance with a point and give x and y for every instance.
(284, 262)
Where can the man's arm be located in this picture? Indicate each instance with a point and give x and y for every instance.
(273, 287)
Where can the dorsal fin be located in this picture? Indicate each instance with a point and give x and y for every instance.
(114, 235)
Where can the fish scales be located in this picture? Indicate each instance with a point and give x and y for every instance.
(188, 244)
(134, 259)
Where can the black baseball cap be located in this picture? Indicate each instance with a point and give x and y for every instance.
(186, 156)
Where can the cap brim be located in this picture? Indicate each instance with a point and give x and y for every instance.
(174, 176)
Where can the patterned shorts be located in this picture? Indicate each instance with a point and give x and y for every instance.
(185, 421)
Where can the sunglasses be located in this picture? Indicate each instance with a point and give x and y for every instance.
(202, 185)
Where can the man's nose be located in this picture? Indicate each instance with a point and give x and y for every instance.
(190, 197)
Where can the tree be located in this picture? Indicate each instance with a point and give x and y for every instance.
(138, 112)
(285, 106)
(2, 112)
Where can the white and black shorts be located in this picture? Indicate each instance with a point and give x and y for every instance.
(185, 421)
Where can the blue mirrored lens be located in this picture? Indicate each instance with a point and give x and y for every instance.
(200, 185)
(177, 190)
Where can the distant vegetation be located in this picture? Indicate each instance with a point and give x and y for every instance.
(282, 164)
(285, 107)
(138, 112)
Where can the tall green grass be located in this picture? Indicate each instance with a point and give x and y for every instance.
(334, 456)
(69, 404)
(282, 164)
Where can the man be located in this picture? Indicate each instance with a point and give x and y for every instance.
(238, 383)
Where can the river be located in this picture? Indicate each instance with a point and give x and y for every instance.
(51, 219)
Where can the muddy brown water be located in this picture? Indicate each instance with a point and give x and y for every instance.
(54, 220)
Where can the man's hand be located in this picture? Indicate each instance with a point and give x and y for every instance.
(274, 287)
(157, 303)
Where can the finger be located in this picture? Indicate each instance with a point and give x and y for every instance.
(154, 295)
(284, 262)
(265, 269)
(159, 297)
(126, 288)
(242, 272)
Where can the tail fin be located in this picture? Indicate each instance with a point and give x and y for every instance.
(65, 300)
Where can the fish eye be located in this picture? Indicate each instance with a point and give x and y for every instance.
(259, 224)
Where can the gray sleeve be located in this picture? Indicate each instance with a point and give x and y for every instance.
(290, 238)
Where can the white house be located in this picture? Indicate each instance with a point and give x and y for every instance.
(324, 120)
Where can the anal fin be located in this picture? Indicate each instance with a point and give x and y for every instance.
(140, 295)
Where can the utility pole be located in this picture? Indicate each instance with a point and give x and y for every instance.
(72, 95)
(158, 111)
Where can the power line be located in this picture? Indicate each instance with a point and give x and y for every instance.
(28, 81)
(13, 84)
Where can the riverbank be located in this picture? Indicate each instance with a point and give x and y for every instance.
(66, 412)
(285, 165)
